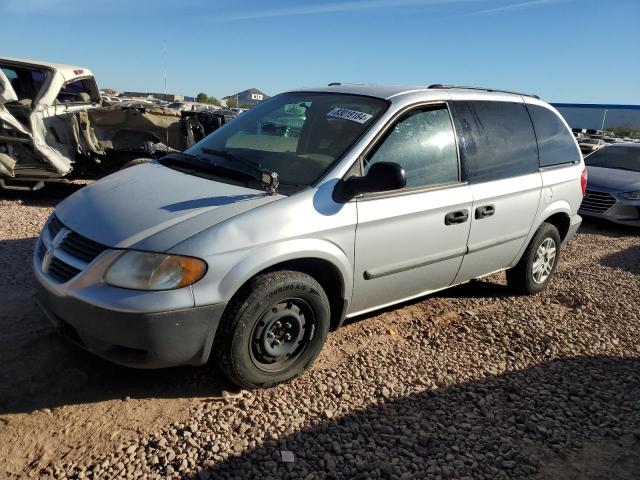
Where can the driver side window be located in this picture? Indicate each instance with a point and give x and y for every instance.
(423, 143)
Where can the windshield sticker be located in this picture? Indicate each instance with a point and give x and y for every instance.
(347, 114)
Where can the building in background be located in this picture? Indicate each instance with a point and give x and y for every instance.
(599, 116)
(252, 96)
(167, 97)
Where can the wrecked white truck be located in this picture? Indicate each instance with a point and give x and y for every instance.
(53, 127)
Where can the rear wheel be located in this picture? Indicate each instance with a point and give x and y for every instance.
(273, 329)
(535, 269)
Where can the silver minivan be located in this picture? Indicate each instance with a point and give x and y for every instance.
(315, 206)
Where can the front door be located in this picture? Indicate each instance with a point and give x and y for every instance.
(411, 242)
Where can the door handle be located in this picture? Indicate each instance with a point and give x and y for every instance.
(485, 211)
(459, 216)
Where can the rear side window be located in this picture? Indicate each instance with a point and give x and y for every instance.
(496, 138)
(79, 91)
(423, 143)
(555, 141)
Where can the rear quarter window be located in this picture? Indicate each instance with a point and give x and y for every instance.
(496, 138)
(555, 141)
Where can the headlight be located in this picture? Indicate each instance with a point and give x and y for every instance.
(154, 271)
(630, 195)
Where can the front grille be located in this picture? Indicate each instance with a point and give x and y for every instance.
(54, 226)
(71, 255)
(597, 202)
(81, 247)
(61, 271)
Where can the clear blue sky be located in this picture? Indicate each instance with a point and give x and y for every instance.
(566, 51)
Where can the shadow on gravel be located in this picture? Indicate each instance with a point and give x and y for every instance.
(571, 418)
(473, 289)
(627, 260)
(39, 369)
(608, 229)
(15, 263)
(476, 289)
(50, 195)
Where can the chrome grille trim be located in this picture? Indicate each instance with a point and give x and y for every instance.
(41, 249)
(61, 271)
(81, 247)
(70, 260)
(54, 226)
(71, 253)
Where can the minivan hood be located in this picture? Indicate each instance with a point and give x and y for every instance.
(612, 180)
(153, 207)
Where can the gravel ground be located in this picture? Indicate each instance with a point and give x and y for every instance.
(471, 383)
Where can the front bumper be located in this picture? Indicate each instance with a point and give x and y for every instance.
(140, 340)
(145, 329)
(623, 212)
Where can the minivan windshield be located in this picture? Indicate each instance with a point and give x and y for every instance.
(615, 156)
(298, 135)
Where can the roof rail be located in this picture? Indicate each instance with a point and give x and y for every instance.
(333, 84)
(439, 85)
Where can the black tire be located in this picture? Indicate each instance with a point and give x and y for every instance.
(134, 162)
(273, 329)
(522, 277)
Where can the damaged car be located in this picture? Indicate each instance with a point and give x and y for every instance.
(55, 128)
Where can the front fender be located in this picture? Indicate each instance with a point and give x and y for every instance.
(267, 256)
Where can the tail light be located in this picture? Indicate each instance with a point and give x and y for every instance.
(583, 181)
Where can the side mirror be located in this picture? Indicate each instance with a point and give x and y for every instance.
(381, 177)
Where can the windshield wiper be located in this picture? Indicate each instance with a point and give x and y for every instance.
(195, 163)
(267, 178)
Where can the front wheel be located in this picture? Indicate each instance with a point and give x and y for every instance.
(273, 329)
(535, 269)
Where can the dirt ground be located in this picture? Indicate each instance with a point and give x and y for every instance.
(561, 371)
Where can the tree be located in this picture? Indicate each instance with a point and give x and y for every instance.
(213, 101)
(202, 98)
(625, 131)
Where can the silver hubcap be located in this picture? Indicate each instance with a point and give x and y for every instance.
(544, 260)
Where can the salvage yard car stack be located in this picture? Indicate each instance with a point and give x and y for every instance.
(53, 126)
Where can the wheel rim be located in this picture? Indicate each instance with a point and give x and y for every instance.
(544, 260)
(281, 335)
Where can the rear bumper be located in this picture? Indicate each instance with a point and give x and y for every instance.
(575, 223)
(139, 340)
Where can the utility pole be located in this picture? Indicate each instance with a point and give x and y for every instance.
(165, 84)
(604, 117)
